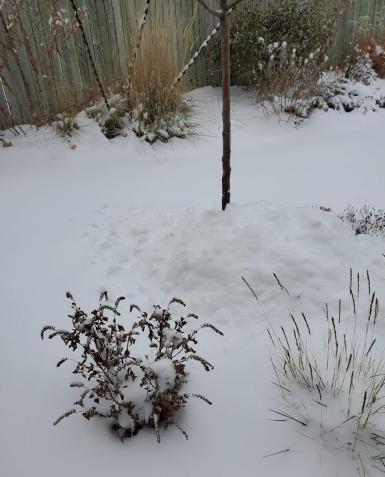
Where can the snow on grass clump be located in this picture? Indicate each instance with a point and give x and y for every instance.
(117, 383)
(332, 389)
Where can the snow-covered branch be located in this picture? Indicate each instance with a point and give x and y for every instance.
(141, 28)
(195, 56)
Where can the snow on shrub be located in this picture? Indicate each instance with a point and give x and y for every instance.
(257, 30)
(376, 50)
(332, 388)
(365, 221)
(111, 121)
(359, 66)
(119, 385)
(292, 84)
(280, 52)
(346, 95)
(369, 40)
(66, 124)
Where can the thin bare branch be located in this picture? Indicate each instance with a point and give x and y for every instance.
(208, 9)
(275, 453)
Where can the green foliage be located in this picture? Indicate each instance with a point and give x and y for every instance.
(304, 27)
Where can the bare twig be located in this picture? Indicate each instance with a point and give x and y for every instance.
(74, 7)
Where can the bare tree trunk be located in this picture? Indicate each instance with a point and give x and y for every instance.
(224, 21)
(226, 133)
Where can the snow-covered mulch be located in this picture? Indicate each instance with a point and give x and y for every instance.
(145, 222)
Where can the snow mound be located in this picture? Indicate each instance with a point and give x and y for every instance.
(201, 256)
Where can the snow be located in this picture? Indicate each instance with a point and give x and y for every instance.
(165, 373)
(142, 20)
(145, 222)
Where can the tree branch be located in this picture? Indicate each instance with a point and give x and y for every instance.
(208, 9)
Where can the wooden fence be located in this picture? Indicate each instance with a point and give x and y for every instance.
(44, 66)
(366, 12)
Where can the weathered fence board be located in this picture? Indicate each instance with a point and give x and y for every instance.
(44, 71)
(347, 31)
(14, 81)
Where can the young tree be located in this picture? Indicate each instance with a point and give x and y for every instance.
(223, 14)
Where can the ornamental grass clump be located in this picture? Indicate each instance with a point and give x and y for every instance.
(332, 382)
(157, 108)
(117, 383)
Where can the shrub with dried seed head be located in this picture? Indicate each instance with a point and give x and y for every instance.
(109, 367)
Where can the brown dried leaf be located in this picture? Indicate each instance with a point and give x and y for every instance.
(6, 143)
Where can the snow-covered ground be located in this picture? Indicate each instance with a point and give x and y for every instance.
(145, 222)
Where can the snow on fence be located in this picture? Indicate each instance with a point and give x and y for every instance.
(45, 68)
